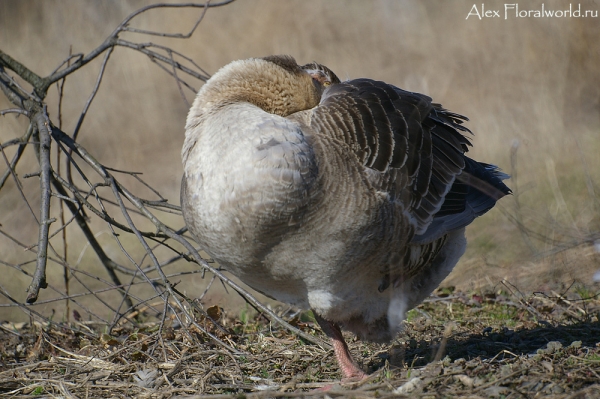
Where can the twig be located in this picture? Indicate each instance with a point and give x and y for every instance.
(14, 94)
(13, 111)
(93, 94)
(73, 298)
(31, 312)
(123, 25)
(60, 85)
(67, 60)
(170, 233)
(177, 80)
(60, 136)
(136, 176)
(87, 106)
(143, 48)
(174, 35)
(43, 84)
(39, 277)
(23, 72)
(11, 167)
(116, 191)
(106, 261)
(177, 65)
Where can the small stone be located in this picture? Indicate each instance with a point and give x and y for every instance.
(548, 366)
(553, 346)
(557, 389)
(575, 344)
(408, 386)
(506, 370)
(465, 380)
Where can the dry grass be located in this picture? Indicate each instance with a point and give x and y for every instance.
(477, 345)
(531, 88)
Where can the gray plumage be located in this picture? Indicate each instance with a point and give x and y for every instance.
(350, 198)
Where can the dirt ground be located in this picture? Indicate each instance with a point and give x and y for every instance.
(457, 344)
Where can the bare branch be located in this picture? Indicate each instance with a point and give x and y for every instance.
(101, 214)
(177, 80)
(249, 297)
(77, 199)
(63, 296)
(93, 94)
(23, 91)
(22, 141)
(60, 74)
(20, 69)
(174, 35)
(144, 48)
(86, 108)
(29, 311)
(13, 111)
(123, 25)
(14, 96)
(136, 176)
(39, 278)
(67, 60)
(42, 86)
(116, 191)
(106, 261)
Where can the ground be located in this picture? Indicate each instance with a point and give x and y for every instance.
(457, 344)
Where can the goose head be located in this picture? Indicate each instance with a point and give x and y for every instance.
(323, 75)
(276, 84)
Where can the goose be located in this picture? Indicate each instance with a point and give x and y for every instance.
(347, 198)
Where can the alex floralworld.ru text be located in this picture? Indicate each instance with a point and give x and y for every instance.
(514, 11)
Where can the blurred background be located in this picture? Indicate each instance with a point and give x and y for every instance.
(530, 86)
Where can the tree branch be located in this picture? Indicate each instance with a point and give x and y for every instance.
(106, 261)
(13, 111)
(11, 167)
(31, 105)
(123, 25)
(249, 297)
(116, 191)
(143, 48)
(39, 277)
(30, 77)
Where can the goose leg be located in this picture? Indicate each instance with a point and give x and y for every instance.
(350, 370)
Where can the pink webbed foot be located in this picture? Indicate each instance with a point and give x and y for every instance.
(349, 368)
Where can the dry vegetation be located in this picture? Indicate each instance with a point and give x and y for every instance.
(481, 345)
(532, 90)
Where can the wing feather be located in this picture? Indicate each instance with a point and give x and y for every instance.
(413, 150)
(417, 145)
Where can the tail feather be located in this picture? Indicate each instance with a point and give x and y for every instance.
(474, 192)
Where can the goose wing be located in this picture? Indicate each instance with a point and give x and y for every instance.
(409, 147)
